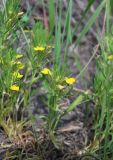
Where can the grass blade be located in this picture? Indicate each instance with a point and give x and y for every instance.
(51, 9)
(90, 22)
(77, 101)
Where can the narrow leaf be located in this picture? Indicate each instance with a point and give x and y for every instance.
(90, 22)
(77, 101)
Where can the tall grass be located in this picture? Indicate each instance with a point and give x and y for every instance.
(103, 141)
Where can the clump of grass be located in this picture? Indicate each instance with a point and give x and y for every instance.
(103, 87)
(103, 99)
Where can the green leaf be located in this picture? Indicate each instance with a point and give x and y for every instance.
(77, 101)
(51, 9)
(90, 3)
(111, 4)
(90, 22)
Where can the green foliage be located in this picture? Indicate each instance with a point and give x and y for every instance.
(42, 50)
(51, 8)
(103, 87)
(19, 71)
(40, 36)
(90, 22)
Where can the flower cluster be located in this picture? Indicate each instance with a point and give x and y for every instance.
(16, 74)
(67, 80)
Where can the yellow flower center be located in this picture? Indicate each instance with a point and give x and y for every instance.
(70, 80)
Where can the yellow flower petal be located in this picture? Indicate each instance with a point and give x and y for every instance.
(19, 65)
(39, 48)
(17, 75)
(110, 57)
(46, 71)
(70, 80)
(14, 88)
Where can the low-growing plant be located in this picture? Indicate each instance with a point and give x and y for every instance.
(39, 60)
(57, 87)
(19, 71)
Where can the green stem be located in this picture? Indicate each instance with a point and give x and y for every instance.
(52, 112)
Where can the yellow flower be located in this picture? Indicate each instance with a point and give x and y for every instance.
(70, 80)
(14, 88)
(46, 71)
(110, 57)
(19, 56)
(19, 65)
(17, 75)
(39, 48)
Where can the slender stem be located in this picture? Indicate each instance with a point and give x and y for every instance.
(91, 58)
(4, 6)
